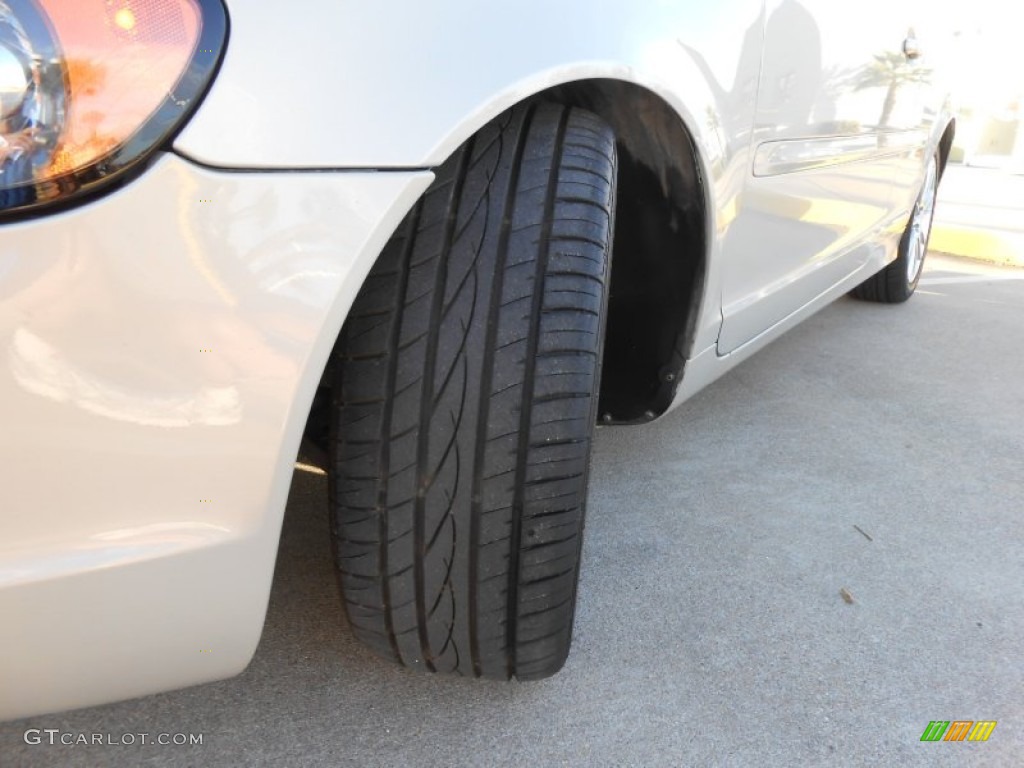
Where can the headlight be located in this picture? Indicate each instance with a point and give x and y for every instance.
(88, 88)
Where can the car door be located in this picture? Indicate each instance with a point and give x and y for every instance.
(818, 201)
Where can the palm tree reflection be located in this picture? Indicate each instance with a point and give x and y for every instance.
(891, 70)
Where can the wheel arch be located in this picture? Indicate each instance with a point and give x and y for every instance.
(674, 84)
(946, 144)
(660, 255)
(659, 265)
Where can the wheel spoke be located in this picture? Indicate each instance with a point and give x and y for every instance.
(921, 224)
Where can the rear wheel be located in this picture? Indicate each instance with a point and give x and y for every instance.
(898, 281)
(465, 393)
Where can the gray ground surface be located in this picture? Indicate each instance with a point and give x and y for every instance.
(710, 630)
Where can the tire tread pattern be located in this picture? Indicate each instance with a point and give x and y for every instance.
(465, 395)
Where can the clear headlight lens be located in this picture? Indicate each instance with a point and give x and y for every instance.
(90, 87)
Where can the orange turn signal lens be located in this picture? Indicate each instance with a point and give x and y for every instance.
(89, 87)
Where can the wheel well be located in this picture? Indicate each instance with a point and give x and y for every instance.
(946, 145)
(659, 252)
(659, 261)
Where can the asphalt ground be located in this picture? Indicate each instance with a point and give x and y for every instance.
(804, 565)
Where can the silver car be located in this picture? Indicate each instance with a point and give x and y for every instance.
(435, 244)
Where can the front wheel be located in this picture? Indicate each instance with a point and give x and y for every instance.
(897, 282)
(464, 401)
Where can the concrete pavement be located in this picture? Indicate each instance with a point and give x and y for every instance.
(875, 449)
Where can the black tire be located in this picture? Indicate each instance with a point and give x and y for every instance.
(897, 282)
(465, 397)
